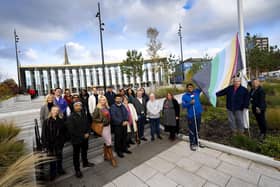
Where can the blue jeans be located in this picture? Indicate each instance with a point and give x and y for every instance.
(154, 124)
(140, 125)
(192, 129)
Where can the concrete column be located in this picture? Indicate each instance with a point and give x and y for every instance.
(117, 77)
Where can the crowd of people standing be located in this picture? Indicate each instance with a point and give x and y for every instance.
(69, 117)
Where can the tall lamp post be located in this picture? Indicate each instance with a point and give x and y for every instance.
(181, 48)
(18, 64)
(101, 29)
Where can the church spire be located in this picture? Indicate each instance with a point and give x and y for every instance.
(66, 60)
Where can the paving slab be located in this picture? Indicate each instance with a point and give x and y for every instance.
(235, 160)
(144, 172)
(185, 178)
(209, 184)
(235, 182)
(189, 165)
(161, 180)
(205, 159)
(268, 181)
(213, 175)
(160, 164)
(128, 180)
(265, 170)
(239, 172)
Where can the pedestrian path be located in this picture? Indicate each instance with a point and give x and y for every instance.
(178, 166)
(164, 163)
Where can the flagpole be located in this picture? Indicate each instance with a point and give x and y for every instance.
(243, 56)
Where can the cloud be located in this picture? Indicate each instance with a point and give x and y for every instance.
(31, 54)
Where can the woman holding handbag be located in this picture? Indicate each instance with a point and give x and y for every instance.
(101, 117)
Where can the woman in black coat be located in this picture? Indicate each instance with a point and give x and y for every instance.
(53, 139)
(171, 114)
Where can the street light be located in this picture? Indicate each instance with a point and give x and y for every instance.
(17, 60)
(101, 24)
(181, 48)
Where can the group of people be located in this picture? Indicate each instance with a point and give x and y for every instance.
(238, 99)
(69, 118)
(66, 117)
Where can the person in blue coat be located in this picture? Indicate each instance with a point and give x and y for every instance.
(237, 99)
(191, 101)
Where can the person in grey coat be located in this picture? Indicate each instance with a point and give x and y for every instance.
(46, 108)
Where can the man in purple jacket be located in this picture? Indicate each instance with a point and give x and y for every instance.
(60, 101)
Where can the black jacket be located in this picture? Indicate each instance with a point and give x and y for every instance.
(110, 97)
(53, 135)
(235, 101)
(257, 98)
(140, 107)
(78, 126)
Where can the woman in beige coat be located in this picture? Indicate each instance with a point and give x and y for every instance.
(132, 119)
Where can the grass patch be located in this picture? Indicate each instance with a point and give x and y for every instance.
(273, 118)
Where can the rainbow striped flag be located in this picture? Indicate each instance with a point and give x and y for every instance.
(217, 74)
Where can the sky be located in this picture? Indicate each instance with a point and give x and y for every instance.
(44, 27)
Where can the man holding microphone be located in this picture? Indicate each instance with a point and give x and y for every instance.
(191, 101)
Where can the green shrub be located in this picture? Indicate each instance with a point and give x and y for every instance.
(214, 115)
(273, 101)
(8, 131)
(272, 89)
(271, 146)
(162, 92)
(273, 118)
(245, 142)
(10, 151)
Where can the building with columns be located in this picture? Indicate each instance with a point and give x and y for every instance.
(43, 78)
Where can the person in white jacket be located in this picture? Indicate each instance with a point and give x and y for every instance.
(153, 113)
(132, 120)
(92, 101)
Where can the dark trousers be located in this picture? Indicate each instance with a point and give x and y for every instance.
(192, 129)
(154, 124)
(120, 138)
(261, 121)
(56, 166)
(140, 124)
(78, 149)
(172, 131)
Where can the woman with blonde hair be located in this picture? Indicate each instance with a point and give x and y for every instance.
(46, 108)
(102, 115)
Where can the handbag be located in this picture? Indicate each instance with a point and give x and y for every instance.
(97, 127)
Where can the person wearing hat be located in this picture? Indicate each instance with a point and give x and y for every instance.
(237, 99)
(79, 130)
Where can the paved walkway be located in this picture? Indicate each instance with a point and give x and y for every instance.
(178, 166)
(163, 163)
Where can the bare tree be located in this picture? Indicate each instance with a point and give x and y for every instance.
(154, 46)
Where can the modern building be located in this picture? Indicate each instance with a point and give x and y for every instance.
(261, 42)
(182, 68)
(43, 78)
